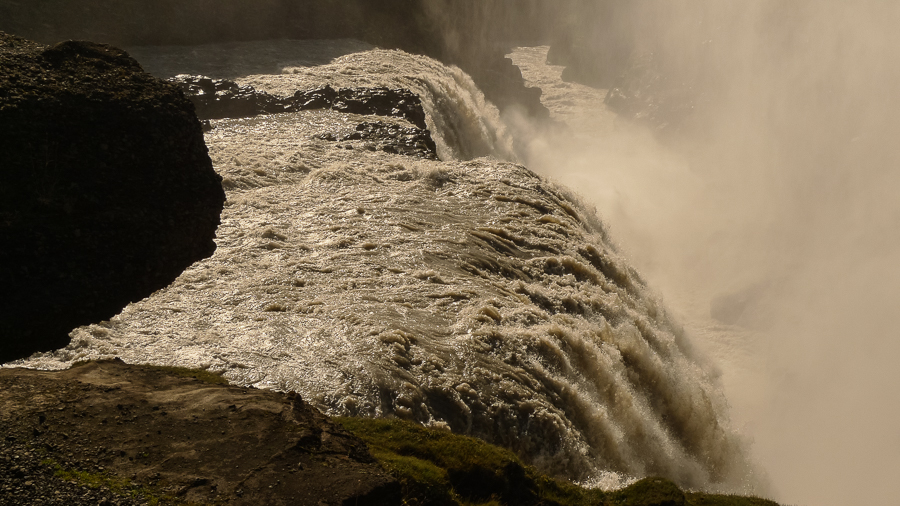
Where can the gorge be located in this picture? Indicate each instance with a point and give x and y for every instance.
(746, 190)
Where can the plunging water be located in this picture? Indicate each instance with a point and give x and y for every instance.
(469, 294)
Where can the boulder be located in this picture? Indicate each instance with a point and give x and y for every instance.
(107, 192)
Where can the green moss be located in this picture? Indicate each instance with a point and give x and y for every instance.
(649, 492)
(115, 484)
(438, 467)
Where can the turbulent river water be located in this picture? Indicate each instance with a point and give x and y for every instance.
(468, 293)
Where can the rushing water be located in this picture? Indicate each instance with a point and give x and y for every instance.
(468, 293)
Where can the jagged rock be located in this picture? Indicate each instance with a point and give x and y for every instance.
(397, 103)
(223, 98)
(391, 138)
(107, 190)
(319, 98)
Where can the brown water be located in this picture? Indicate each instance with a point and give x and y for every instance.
(469, 294)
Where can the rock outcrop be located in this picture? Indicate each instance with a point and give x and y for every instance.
(176, 436)
(224, 98)
(106, 193)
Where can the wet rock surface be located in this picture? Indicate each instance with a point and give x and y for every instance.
(107, 190)
(116, 434)
(382, 102)
(224, 98)
(390, 138)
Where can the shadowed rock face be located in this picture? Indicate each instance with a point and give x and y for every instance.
(107, 192)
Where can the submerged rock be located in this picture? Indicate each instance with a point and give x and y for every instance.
(107, 190)
(391, 138)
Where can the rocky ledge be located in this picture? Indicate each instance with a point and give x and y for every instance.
(224, 98)
(139, 434)
(390, 138)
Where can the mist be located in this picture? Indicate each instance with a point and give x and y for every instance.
(768, 222)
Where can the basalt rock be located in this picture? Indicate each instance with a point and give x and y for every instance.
(223, 98)
(398, 103)
(390, 138)
(319, 98)
(106, 192)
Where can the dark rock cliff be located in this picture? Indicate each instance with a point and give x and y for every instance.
(106, 189)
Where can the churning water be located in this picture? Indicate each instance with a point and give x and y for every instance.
(468, 293)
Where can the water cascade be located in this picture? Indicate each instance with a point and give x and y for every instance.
(469, 294)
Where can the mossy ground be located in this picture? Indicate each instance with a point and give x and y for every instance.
(438, 467)
(116, 484)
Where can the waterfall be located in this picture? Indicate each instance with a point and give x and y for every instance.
(467, 294)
